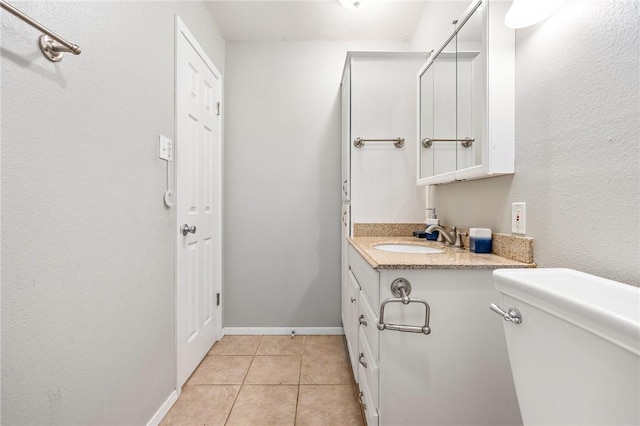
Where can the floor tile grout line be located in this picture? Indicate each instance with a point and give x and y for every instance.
(295, 413)
(239, 390)
(253, 357)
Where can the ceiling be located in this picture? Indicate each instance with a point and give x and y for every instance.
(316, 20)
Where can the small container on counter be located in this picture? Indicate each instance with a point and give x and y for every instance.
(433, 236)
(480, 240)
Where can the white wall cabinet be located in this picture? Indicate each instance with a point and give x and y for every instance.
(458, 374)
(467, 100)
(379, 102)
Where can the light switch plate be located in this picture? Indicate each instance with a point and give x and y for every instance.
(519, 218)
(166, 148)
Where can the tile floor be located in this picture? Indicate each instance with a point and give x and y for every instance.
(270, 380)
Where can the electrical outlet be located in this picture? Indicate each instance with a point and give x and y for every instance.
(519, 218)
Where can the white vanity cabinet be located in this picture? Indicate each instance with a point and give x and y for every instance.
(458, 374)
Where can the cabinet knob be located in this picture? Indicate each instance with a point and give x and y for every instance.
(353, 300)
(362, 363)
(362, 321)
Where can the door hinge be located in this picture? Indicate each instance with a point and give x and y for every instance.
(217, 299)
(218, 106)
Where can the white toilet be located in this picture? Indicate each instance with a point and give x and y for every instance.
(575, 356)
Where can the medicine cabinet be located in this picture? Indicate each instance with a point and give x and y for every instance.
(466, 100)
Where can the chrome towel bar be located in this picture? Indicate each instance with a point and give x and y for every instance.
(51, 44)
(466, 142)
(401, 289)
(397, 142)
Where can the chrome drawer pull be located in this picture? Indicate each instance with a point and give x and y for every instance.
(401, 288)
(362, 321)
(362, 363)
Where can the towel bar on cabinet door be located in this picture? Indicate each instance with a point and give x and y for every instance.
(466, 142)
(397, 142)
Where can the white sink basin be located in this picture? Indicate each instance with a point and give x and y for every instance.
(407, 248)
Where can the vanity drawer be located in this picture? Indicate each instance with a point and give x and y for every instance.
(367, 322)
(367, 277)
(370, 408)
(368, 367)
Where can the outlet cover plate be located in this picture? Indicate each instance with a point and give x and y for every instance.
(519, 218)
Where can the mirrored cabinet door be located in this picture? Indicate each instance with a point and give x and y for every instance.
(444, 116)
(426, 123)
(470, 92)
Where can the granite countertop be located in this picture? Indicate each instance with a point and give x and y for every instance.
(451, 258)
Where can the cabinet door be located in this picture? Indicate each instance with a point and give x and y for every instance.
(368, 384)
(383, 104)
(346, 220)
(457, 375)
(444, 119)
(346, 134)
(351, 329)
(471, 91)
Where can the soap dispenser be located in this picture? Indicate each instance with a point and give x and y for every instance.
(432, 220)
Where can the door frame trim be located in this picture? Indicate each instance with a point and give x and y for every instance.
(182, 30)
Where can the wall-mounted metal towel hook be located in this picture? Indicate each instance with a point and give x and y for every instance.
(51, 44)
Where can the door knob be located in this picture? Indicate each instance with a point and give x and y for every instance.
(186, 229)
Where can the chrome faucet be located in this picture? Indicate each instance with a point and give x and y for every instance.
(452, 238)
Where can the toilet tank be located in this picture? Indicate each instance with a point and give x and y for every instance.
(575, 357)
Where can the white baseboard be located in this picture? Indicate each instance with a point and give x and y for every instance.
(164, 409)
(286, 331)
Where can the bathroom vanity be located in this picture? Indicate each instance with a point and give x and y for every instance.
(440, 359)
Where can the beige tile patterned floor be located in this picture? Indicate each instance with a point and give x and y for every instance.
(270, 380)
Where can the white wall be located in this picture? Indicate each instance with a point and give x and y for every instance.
(577, 144)
(88, 247)
(282, 182)
(436, 26)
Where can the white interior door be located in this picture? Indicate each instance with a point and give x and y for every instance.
(198, 171)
